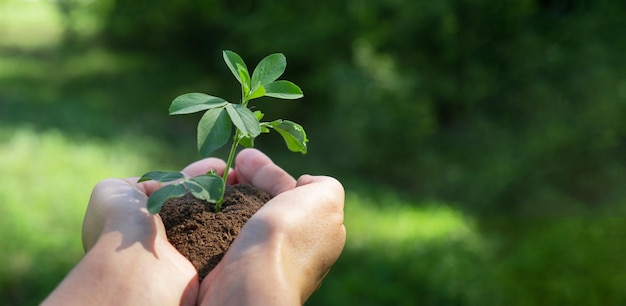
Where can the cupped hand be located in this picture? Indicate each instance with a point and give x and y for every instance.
(120, 205)
(117, 222)
(279, 258)
(284, 251)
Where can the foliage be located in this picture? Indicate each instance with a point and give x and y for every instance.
(511, 106)
(40, 215)
(215, 127)
(472, 101)
(402, 252)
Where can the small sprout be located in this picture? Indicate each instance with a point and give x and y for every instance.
(215, 127)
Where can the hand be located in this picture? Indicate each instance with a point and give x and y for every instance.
(284, 251)
(280, 256)
(128, 259)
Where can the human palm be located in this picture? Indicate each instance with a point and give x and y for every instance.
(279, 257)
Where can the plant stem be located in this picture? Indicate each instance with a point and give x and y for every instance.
(229, 162)
(231, 156)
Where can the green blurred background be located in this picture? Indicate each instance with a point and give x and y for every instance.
(481, 143)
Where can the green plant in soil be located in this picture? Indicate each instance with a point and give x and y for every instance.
(215, 127)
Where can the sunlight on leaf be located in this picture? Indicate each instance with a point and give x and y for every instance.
(197, 191)
(244, 76)
(244, 120)
(283, 90)
(233, 60)
(194, 102)
(292, 133)
(269, 69)
(161, 176)
(212, 186)
(258, 92)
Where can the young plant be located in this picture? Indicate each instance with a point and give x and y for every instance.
(215, 127)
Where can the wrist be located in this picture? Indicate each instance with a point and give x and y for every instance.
(256, 276)
(155, 276)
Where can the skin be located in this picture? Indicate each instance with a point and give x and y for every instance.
(279, 258)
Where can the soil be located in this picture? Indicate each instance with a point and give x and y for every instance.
(204, 236)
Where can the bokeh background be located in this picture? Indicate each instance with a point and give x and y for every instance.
(481, 143)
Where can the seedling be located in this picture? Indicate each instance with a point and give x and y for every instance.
(215, 127)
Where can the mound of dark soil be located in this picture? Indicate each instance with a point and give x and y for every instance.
(204, 236)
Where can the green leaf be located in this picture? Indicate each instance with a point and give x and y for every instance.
(194, 102)
(269, 69)
(214, 130)
(283, 90)
(244, 76)
(196, 190)
(209, 187)
(247, 142)
(264, 128)
(244, 120)
(233, 60)
(161, 176)
(292, 133)
(258, 115)
(159, 197)
(257, 93)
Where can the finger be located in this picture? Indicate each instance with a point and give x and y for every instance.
(203, 166)
(208, 164)
(114, 203)
(313, 210)
(255, 168)
(200, 167)
(147, 187)
(316, 193)
(307, 179)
